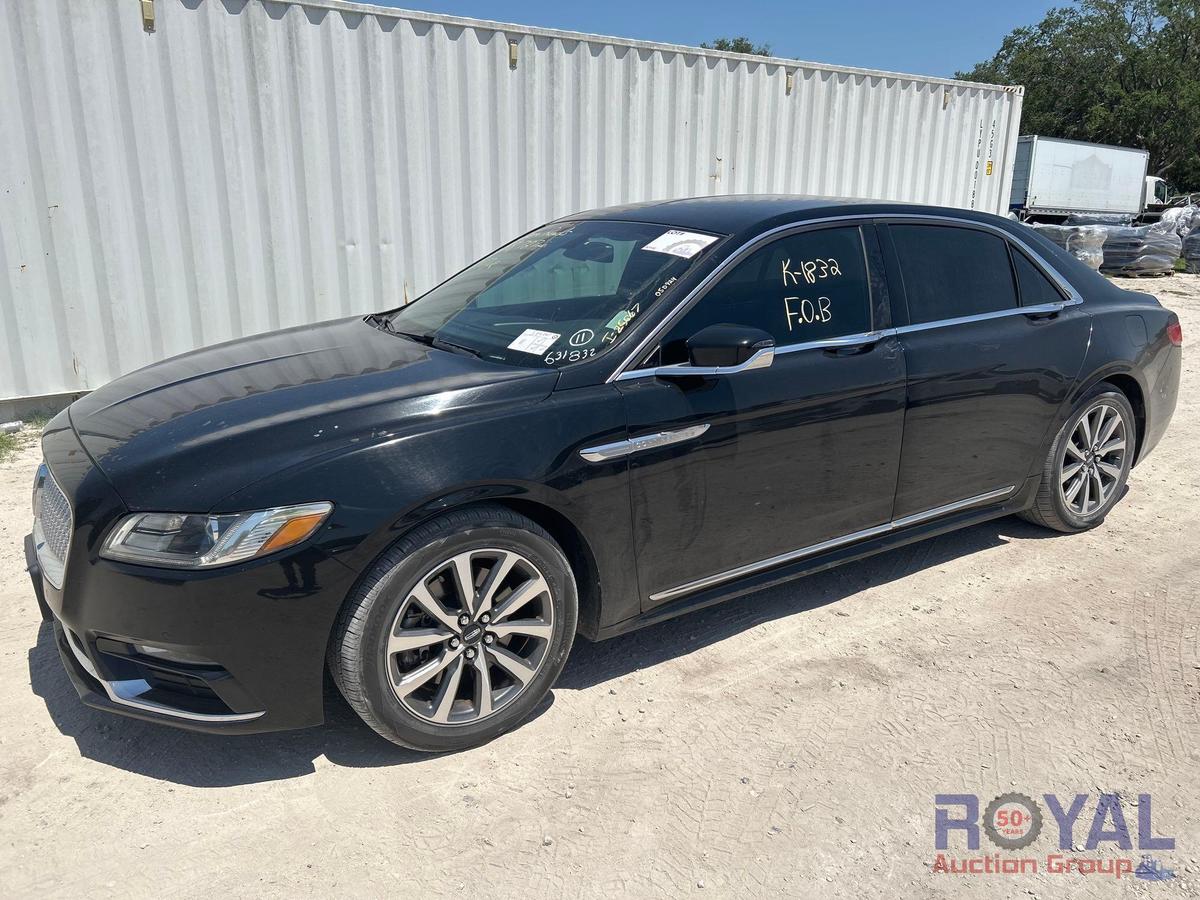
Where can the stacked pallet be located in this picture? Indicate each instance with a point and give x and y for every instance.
(1084, 242)
(1140, 250)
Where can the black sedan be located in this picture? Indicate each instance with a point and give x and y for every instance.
(619, 417)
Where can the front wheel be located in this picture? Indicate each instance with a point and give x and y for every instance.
(457, 632)
(1085, 472)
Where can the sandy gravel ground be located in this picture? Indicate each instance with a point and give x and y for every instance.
(789, 743)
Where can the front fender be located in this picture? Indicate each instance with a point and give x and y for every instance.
(527, 452)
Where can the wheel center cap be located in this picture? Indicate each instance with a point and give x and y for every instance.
(473, 633)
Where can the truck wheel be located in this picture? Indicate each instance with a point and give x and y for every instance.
(458, 631)
(1085, 472)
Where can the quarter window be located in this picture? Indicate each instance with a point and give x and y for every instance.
(1036, 288)
(952, 272)
(803, 287)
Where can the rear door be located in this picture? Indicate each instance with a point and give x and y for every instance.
(771, 461)
(992, 348)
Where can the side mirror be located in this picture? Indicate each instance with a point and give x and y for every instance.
(727, 346)
(724, 350)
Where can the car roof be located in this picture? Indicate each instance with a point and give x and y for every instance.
(742, 213)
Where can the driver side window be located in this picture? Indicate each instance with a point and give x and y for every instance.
(803, 287)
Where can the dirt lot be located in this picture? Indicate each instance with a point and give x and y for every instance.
(789, 743)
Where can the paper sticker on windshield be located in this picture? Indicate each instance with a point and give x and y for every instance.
(621, 319)
(680, 243)
(533, 341)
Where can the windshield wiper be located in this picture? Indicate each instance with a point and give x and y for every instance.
(443, 344)
(429, 340)
(383, 323)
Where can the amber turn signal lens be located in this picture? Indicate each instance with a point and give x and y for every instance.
(293, 532)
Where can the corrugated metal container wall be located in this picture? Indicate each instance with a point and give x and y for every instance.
(253, 165)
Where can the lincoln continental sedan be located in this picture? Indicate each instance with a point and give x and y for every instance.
(616, 418)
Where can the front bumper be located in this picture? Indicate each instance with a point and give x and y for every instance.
(233, 674)
(237, 649)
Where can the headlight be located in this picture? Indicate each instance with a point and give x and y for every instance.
(183, 541)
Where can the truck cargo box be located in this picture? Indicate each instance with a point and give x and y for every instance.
(1057, 177)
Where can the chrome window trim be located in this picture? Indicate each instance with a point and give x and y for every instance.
(618, 449)
(831, 544)
(128, 692)
(848, 340)
(1039, 309)
(1074, 298)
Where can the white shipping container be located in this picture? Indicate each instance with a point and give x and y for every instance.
(254, 164)
(1057, 177)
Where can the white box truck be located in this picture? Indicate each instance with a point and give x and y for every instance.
(1054, 178)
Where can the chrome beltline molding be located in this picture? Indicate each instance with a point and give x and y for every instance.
(866, 337)
(1038, 309)
(622, 373)
(617, 449)
(831, 544)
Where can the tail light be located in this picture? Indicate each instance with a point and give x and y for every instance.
(1175, 333)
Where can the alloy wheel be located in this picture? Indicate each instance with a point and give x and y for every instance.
(1093, 459)
(470, 636)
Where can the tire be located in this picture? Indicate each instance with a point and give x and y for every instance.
(1055, 506)
(428, 692)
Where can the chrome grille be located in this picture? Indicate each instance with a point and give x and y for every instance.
(52, 525)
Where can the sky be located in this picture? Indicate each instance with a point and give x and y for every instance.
(929, 37)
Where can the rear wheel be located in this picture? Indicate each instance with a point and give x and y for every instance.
(458, 632)
(1085, 472)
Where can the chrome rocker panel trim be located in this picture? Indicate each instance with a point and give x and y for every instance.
(831, 544)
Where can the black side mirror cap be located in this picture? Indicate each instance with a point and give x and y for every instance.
(725, 346)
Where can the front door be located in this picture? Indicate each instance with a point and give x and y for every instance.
(766, 462)
(990, 361)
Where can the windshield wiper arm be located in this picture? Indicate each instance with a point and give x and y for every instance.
(429, 340)
(383, 323)
(442, 344)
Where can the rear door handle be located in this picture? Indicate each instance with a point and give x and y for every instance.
(1044, 311)
(853, 349)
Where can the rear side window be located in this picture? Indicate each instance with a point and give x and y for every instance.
(803, 287)
(951, 272)
(1036, 288)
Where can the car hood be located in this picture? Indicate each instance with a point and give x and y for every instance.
(181, 434)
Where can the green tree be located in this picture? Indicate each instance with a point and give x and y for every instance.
(739, 45)
(1121, 72)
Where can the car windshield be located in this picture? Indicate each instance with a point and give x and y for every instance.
(559, 295)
